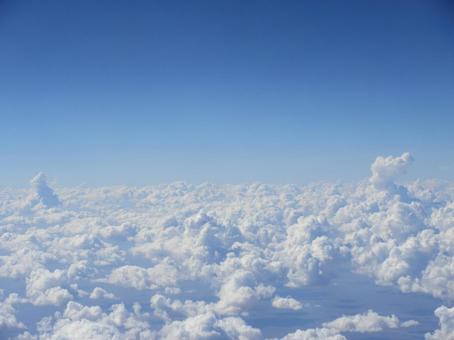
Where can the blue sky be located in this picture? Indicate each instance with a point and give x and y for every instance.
(143, 92)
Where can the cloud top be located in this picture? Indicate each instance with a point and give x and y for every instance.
(214, 261)
(386, 169)
(42, 193)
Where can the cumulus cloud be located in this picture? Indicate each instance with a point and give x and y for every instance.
(445, 316)
(209, 260)
(43, 287)
(208, 326)
(8, 317)
(369, 322)
(131, 276)
(99, 293)
(42, 193)
(386, 169)
(167, 309)
(240, 293)
(83, 322)
(286, 303)
(315, 334)
(160, 275)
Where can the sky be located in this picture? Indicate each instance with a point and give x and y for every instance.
(145, 92)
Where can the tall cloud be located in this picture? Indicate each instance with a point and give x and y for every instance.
(386, 169)
(42, 193)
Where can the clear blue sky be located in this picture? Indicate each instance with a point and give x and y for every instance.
(143, 92)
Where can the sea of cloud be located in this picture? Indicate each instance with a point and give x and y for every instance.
(183, 261)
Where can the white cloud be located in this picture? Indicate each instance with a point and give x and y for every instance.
(42, 193)
(240, 293)
(386, 169)
(99, 293)
(286, 303)
(446, 320)
(369, 322)
(43, 287)
(208, 326)
(131, 276)
(83, 322)
(8, 317)
(366, 323)
(167, 309)
(210, 258)
(315, 334)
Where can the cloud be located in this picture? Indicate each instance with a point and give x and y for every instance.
(42, 193)
(241, 293)
(83, 322)
(315, 334)
(211, 258)
(161, 275)
(366, 323)
(131, 276)
(445, 316)
(8, 317)
(167, 309)
(386, 169)
(43, 287)
(286, 303)
(369, 322)
(208, 326)
(99, 293)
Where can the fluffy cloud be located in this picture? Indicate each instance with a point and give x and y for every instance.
(99, 293)
(42, 193)
(208, 326)
(286, 303)
(212, 259)
(43, 287)
(386, 169)
(366, 323)
(8, 317)
(83, 322)
(362, 323)
(240, 293)
(315, 334)
(446, 319)
(160, 275)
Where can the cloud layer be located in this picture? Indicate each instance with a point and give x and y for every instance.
(194, 262)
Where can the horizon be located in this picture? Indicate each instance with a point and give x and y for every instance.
(405, 177)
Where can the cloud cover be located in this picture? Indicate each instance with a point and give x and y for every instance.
(189, 261)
